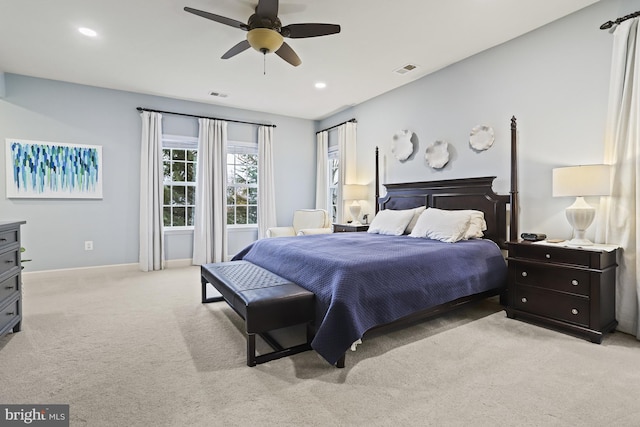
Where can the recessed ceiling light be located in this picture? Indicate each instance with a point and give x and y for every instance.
(87, 32)
(320, 85)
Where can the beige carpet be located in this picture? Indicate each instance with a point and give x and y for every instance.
(138, 349)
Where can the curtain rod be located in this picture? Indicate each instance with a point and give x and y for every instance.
(201, 117)
(610, 24)
(339, 124)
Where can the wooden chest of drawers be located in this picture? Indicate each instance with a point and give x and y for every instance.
(10, 277)
(570, 289)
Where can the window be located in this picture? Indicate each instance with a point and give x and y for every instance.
(334, 182)
(242, 183)
(179, 159)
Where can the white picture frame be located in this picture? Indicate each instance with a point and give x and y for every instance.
(53, 170)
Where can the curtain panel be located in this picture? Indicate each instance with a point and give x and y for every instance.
(322, 171)
(266, 185)
(210, 224)
(347, 137)
(151, 233)
(618, 218)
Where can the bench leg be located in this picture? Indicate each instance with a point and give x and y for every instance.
(206, 300)
(251, 350)
(340, 362)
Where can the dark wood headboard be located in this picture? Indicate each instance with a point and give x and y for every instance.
(465, 193)
(454, 194)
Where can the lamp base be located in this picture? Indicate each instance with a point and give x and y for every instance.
(580, 215)
(354, 210)
(580, 242)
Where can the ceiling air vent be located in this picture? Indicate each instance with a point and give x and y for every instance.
(218, 94)
(405, 69)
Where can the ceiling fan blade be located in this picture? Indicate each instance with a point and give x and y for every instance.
(217, 18)
(285, 52)
(267, 8)
(300, 31)
(240, 47)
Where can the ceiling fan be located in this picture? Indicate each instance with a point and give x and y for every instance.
(265, 31)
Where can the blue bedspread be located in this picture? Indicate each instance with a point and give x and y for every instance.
(362, 280)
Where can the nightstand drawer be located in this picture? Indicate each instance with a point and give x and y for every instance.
(9, 287)
(9, 313)
(349, 228)
(552, 305)
(574, 281)
(7, 238)
(8, 261)
(550, 254)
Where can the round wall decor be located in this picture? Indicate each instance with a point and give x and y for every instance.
(481, 137)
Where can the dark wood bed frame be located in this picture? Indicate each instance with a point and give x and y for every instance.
(451, 194)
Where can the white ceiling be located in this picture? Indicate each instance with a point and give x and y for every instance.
(154, 47)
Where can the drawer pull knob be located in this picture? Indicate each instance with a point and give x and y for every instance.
(524, 300)
(547, 256)
(11, 313)
(8, 287)
(9, 261)
(524, 274)
(3, 240)
(574, 311)
(574, 282)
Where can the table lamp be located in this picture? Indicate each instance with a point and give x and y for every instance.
(354, 192)
(581, 181)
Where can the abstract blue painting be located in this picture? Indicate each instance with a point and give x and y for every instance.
(38, 169)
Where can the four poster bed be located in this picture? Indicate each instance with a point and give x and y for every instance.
(364, 282)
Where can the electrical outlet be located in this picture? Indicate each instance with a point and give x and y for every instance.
(88, 245)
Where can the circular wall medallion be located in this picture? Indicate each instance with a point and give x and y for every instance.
(481, 137)
(437, 154)
(401, 146)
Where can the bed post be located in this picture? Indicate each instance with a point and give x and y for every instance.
(513, 228)
(377, 192)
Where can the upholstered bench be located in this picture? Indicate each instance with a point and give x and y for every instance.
(264, 300)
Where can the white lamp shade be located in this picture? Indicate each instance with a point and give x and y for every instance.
(588, 180)
(354, 192)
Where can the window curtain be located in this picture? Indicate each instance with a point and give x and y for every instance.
(618, 218)
(210, 225)
(151, 241)
(347, 145)
(322, 172)
(266, 185)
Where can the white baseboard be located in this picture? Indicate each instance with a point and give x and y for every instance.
(99, 269)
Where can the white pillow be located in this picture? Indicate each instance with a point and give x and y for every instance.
(446, 226)
(391, 222)
(416, 214)
(477, 224)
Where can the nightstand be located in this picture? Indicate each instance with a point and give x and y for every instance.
(347, 228)
(571, 289)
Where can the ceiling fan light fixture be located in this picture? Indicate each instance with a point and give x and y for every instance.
(264, 40)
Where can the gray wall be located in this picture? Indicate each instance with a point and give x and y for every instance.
(555, 80)
(55, 232)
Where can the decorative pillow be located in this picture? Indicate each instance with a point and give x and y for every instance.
(477, 224)
(416, 214)
(391, 222)
(446, 226)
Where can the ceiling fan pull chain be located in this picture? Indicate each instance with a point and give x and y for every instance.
(264, 63)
